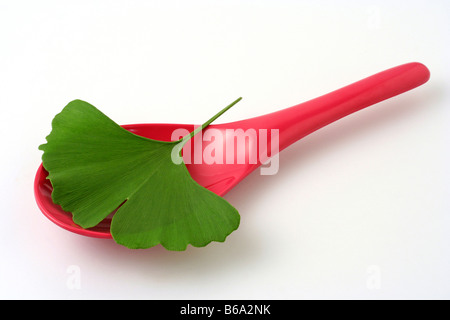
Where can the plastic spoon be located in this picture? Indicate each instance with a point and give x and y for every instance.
(292, 124)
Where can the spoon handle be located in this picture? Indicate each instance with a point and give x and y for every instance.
(298, 121)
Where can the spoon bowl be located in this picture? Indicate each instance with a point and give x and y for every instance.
(234, 161)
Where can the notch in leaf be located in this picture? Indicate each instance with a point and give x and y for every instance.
(96, 166)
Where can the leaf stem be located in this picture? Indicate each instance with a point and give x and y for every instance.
(207, 123)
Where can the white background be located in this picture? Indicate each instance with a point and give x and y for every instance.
(358, 210)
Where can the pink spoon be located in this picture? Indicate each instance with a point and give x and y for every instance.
(292, 124)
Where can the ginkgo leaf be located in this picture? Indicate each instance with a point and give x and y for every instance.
(95, 166)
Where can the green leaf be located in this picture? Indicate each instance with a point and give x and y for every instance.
(95, 166)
